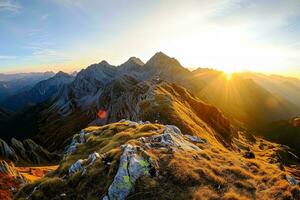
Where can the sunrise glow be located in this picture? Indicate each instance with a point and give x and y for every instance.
(224, 35)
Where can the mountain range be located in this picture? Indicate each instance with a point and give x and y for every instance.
(94, 88)
(156, 127)
(11, 84)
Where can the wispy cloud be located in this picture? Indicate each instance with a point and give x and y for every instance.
(46, 53)
(7, 57)
(44, 17)
(10, 6)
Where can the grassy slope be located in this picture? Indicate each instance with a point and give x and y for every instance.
(213, 173)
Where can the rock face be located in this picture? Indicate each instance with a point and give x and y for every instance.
(26, 152)
(7, 152)
(128, 98)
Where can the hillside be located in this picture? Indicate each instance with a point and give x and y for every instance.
(243, 99)
(285, 132)
(4, 115)
(130, 160)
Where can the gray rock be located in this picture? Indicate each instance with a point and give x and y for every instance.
(173, 128)
(132, 166)
(77, 139)
(83, 164)
(292, 180)
(133, 124)
(195, 139)
(73, 146)
(7, 152)
(76, 167)
(171, 138)
(92, 158)
(82, 138)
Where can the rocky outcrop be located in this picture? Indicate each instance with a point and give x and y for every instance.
(77, 139)
(142, 160)
(135, 162)
(83, 164)
(7, 152)
(26, 152)
(171, 138)
(8, 168)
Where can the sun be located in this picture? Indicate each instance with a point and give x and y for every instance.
(228, 76)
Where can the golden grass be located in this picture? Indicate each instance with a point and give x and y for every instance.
(215, 172)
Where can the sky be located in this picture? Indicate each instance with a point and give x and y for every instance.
(230, 35)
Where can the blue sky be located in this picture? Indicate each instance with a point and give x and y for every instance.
(231, 35)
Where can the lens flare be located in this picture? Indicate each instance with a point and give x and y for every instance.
(102, 114)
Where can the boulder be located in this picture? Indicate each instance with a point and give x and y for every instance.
(76, 167)
(132, 166)
(77, 139)
(92, 158)
(83, 164)
(73, 146)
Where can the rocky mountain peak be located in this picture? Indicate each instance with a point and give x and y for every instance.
(161, 60)
(104, 62)
(62, 74)
(135, 60)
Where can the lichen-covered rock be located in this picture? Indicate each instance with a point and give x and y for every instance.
(132, 166)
